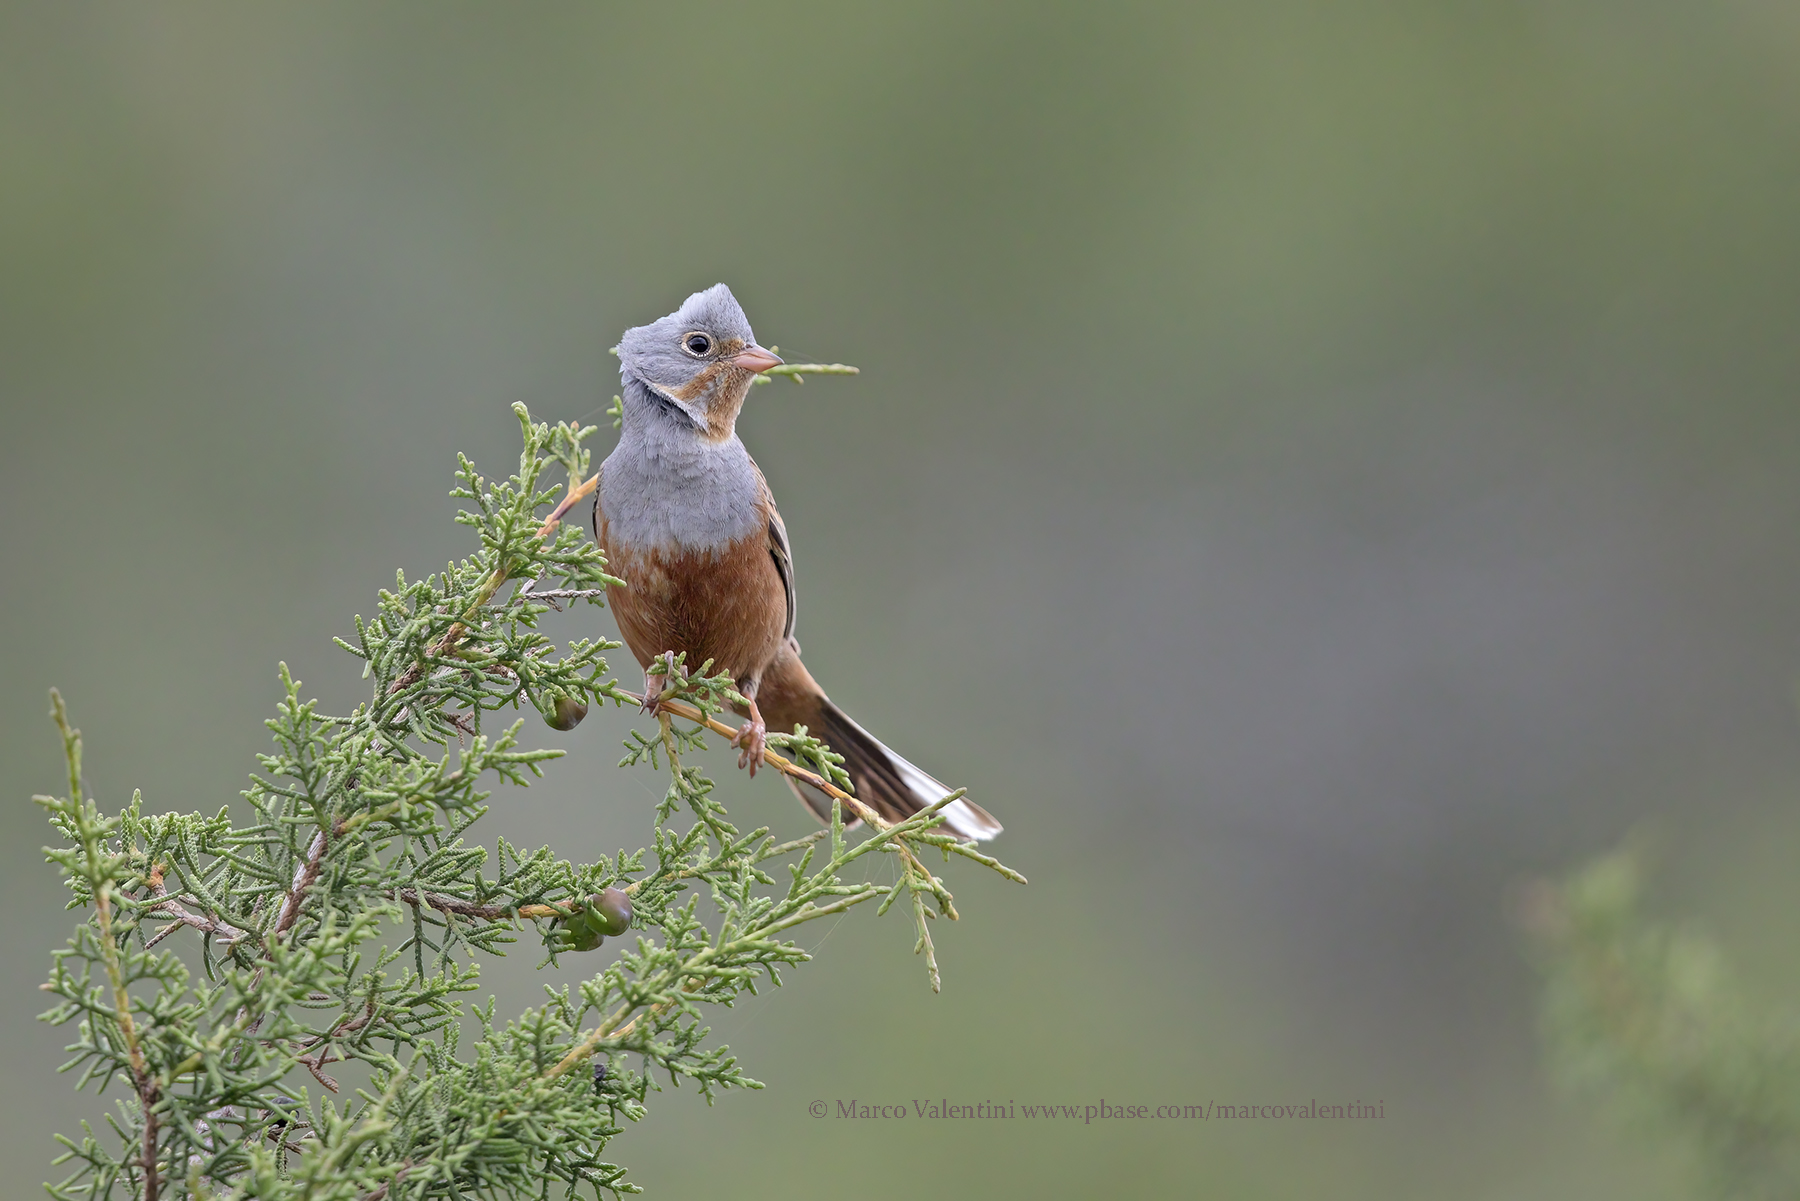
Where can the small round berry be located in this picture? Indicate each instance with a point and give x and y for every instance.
(567, 714)
(610, 911)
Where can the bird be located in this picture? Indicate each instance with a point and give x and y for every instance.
(687, 522)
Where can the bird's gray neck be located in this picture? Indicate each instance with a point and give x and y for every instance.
(666, 487)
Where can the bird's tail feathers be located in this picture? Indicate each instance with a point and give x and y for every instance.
(885, 782)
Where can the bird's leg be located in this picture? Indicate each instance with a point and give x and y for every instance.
(753, 735)
(657, 683)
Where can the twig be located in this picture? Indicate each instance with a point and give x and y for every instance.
(380, 1193)
(304, 876)
(799, 371)
(183, 917)
(168, 906)
(786, 766)
(563, 593)
(141, 1080)
(531, 912)
(319, 1059)
(486, 913)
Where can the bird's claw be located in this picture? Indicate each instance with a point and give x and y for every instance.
(752, 736)
(655, 684)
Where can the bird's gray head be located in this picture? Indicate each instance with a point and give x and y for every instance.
(700, 359)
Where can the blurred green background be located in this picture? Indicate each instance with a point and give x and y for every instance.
(1313, 467)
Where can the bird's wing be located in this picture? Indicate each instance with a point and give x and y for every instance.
(784, 566)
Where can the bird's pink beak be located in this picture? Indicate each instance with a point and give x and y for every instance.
(755, 359)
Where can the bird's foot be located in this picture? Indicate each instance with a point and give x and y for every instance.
(657, 683)
(752, 737)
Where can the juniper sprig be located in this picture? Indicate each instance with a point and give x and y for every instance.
(229, 967)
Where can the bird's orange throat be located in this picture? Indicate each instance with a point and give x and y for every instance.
(723, 387)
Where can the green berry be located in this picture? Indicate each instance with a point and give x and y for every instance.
(610, 911)
(567, 714)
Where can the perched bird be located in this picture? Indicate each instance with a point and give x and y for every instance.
(687, 521)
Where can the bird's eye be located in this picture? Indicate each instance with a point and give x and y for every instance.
(697, 344)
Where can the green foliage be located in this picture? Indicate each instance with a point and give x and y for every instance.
(1646, 1017)
(345, 921)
